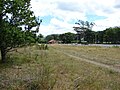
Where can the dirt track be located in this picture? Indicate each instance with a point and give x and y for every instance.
(90, 61)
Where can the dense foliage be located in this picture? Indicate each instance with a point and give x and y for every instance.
(110, 35)
(64, 38)
(14, 16)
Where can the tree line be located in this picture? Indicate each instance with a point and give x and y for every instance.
(109, 36)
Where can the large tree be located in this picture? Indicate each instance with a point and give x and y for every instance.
(82, 27)
(67, 37)
(112, 35)
(99, 37)
(89, 36)
(14, 15)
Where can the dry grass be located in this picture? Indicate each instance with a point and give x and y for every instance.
(105, 55)
(33, 69)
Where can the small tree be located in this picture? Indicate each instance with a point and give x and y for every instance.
(15, 14)
(40, 38)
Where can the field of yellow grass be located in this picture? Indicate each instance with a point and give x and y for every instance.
(32, 69)
(105, 55)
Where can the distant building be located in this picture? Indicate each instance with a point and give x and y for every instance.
(52, 41)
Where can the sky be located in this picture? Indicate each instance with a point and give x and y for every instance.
(59, 16)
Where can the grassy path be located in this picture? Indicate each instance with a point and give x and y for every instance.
(89, 61)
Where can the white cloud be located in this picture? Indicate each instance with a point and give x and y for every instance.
(64, 12)
(56, 27)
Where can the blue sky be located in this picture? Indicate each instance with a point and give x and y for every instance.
(90, 18)
(46, 19)
(59, 16)
(93, 18)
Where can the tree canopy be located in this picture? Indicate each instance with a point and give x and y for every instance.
(112, 35)
(16, 22)
(67, 37)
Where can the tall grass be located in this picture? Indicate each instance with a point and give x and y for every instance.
(27, 70)
(34, 69)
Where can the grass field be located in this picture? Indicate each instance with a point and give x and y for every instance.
(105, 55)
(32, 69)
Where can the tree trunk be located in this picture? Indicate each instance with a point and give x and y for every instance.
(3, 55)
